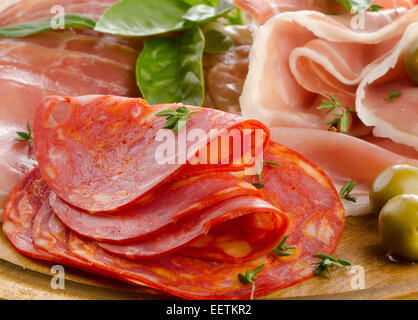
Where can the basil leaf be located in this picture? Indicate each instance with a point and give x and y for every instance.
(202, 14)
(217, 42)
(355, 5)
(234, 17)
(169, 70)
(212, 3)
(345, 4)
(143, 18)
(25, 29)
(360, 5)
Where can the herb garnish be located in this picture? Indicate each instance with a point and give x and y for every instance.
(346, 190)
(249, 277)
(327, 263)
(279, 250)
(258, 185)
(176, 119)
(375, 7)
(26, 136)
(342, 118)
(355, 6)
(272, 163)
(393, 95)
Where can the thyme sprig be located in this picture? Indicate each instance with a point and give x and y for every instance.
(24, 136)
(393, 95)
(176, 119)
(342, 119)
(345, 192)
(249, 276)
(327, 263)
(281, 247)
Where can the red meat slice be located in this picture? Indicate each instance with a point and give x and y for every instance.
(23, 204)
(297, 187)
(155, 211)
(110, 164)
(234, 230)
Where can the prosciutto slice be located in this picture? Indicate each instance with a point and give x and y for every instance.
(263, 10)
(344, 158)
(397, 120)
(298, 58)
(28, 10)
(63, 62)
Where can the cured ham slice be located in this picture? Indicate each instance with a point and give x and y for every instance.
(300, 57)
(343, 158)
(397, 120)
(28, 10)
(263, 10)
(16, 160)
(222, 235)
(63, 62)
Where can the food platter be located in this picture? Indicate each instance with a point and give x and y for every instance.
(22, 278)
(123, 230)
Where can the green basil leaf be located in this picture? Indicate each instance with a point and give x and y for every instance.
(234, 17)
(346, 4)
(169, 70)
(217, 42)
(202, 14)
(135, 18)
(212, 3)
(25, 29)
(360, 5)
(355, 5)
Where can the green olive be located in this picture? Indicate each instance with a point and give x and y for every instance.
(411, 61)
(396, 180)
(398, 226)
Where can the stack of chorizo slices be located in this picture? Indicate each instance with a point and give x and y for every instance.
(100, 200)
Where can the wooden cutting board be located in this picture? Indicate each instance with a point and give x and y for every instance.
(23, 278)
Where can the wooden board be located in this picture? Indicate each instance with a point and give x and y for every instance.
(23, 278)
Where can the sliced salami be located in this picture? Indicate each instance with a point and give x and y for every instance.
(101, 202)
(23, 204)
(297, 187)
(241, 228)
(155, 211)
(98, 152)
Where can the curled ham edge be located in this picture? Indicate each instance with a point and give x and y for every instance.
(254, 102)
(370, 116)
(340, 170)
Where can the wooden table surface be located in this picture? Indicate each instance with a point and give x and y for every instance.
(23, 278)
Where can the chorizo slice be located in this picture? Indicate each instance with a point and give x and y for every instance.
(297, 187)
(22, 205)
(98, 153)
(155, 211)
(234, 230)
